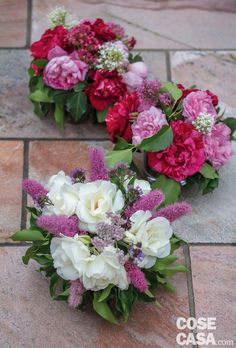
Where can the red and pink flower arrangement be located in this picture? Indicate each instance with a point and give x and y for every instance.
(184, 138)
(81, 68)
(100, 238)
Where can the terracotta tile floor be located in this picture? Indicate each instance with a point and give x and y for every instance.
(192, 42)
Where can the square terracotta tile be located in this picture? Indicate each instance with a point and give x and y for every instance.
(30, 318)
(13, 23)
(11, 171)
(214, 283)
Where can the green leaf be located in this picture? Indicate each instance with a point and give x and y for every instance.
(161, 264)
(63, 295)
(171, 88)
(149, 294)
(41, 96)
(55, 278)
(80, 86)
(27, 235)
(103, 309)
(169, 287)
(41, 109)
(169, 187)
(169, 271)
(30, 252)
(76, 104)
(122, 144)
(86, 239)
(208, 171)
(114, 157)
(59, 115)
(135, 58)
(105, 293)
(59, 97)
(101, 115)
(231, 123)
(41, 63)
(158, 142)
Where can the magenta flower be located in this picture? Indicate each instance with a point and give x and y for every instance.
(146, 202)
(147, 124)
(98, 170)
(217, 145)
(76, 293)
(174, 211)
(59, 224)
(35, 190)
(195, 103)
(136, 276)
(64, 72)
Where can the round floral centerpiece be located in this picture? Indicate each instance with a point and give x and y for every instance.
(184, 138)
(81, 67)
(102, 240)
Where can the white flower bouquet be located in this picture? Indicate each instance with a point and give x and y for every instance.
(101, 240)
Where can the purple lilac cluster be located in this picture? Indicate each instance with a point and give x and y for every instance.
(107, 234)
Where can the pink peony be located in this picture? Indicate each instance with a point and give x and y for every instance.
(197, 102)
(64, 72)
(147, 124)
(135, 76)
(217, 145)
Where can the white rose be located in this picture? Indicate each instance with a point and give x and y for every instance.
(69, 256)
(96, 199)
(63, 195)
(154, 236)
(143, 184)
(104, 269)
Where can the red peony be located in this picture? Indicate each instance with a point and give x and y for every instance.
(102, 31)
(186, 91)
(184, 157)
(50, 39)
(106, 89)
(118, 117)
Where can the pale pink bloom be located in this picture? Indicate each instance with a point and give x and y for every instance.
(135, 76)
(56, 51)
(148, 123)
(217, 145)
(64, 72)
(195, 103)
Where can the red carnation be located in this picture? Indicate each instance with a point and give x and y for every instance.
(102, 31)
(118, 117)
(106, 89)
(184, 157)
(186, 91)
(50, 39)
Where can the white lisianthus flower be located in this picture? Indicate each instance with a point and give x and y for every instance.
(143, 184)
(104, 269)
(63, 195)
(96, 199)
(69, 257)
(153, 236)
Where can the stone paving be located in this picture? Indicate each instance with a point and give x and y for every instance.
(192, 42)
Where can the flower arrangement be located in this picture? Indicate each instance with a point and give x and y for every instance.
(81, 68)
(181, 132)
(102, 240)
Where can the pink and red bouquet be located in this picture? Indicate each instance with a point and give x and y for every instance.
(180, 131)
(81, 68)
(102, 239)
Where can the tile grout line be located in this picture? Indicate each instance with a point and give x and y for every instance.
(28, 23)
(54, 139)
(192, 311)
(168, 65)
(25, 176)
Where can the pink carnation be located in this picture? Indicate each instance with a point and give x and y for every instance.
(197, 102)
(64, 72)
(147, 124)
(217, 145)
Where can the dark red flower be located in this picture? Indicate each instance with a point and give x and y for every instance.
(106, 89)
(186, 91)
(184, 157)
(118, 117)
(50, 39)
(102, 31)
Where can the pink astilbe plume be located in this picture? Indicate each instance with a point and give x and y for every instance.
(174, 211)
(136, 276)
(98, 170)
(59, 224)
(76, 293)
(34, 189)
(146, 202)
